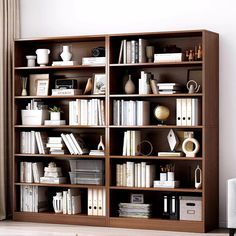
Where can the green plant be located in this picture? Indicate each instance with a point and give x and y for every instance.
(55, 109)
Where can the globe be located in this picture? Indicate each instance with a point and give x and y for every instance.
(161, 113)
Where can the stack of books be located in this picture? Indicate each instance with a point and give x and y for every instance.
(55, 145)
(71, 201)
(135, 210)
(132, 139)
(93, 61)
(169, 88)
(30, 172)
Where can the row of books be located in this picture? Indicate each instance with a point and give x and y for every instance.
(87, 112)
(131, 174)
(96, 202)
(131, 141)
(187, 111)
(30, 172)
(131, 112)
(71, 201)
(133, 51)
(33, 198)
(135, 210)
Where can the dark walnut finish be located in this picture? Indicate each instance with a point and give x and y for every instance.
(207, 132)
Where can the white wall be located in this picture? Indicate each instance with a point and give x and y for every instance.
(78, 17)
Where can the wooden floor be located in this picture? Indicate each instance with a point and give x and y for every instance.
(11, 228)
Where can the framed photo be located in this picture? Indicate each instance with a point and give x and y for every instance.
(137, 198)
(42, 87)
(99, 84)
(33, 82)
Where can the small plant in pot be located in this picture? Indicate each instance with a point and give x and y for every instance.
(55, 113)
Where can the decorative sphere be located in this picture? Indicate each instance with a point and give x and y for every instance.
(161, 113)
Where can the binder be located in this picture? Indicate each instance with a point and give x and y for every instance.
(104, 202)
(100, 202)
(95, 202)
(178, 112)
(189, 111)
(64, 202)
(184, 111)
(174, 207)
(195, 111)
(90, 201)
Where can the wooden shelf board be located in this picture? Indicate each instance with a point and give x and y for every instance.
(62, 185)
(158, 158)
(152, 64)
(185, 190)
(59, 97)
(156, 95)
(60, 126)
(19, 155)
(48, 217)
(157, 224)
(156, 127)
(77, 67)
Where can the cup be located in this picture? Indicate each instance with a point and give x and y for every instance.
(31, 60)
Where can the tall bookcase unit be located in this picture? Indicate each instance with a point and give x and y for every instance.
(206, 132)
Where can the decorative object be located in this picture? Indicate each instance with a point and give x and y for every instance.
(198, 177)
(137, 198)
(89, 86)
(190, 153)
(42, 56)
(172, 140)
(24, 85)
(144, 83)
(192, 86)
(66, 83)
(42, 87)
(66, 55)
(31, 60)
(33, 81)
(101, 145)
(150, 53)
(55, 113)
(99, 84)
(129, 86)
(194, 54)
(58, 202)
(98, 52)
(145, 145)
(161, 113)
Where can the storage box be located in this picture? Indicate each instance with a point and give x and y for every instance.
(190, 208)
(82, 177)
(87, 165)
(34, 117)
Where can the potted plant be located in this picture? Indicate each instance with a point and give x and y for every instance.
(55, 113)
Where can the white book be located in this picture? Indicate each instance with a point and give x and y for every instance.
(22, 172)
(29, 173)
(66, 92)
(102, 112)
(195, 111)
(121, 52)
(143, 174)
(93, 60)
(124, 176)
(53, 180)
(168, 57)
(78, 111)
(54, 122)
(37, 168)
(124, 153)
(118, 175)
(189, 111)
(128, 52)
(100, 202)
(23, 142)
(99, 112)
(128, 141)
(90, 201)
(65, 63)
(95, 202)
(130, 174)
(136, 175)
(115, 112)
(33, 147)
(150, 175)
(67, 143)
(68, 202)
(125, 52)
(142, 43)
(139, 175)
(72, 144)
(143, 113)
(178, 111)
(135, 141)
(75, 204)
(104, 202)
(79, 143)
(184, 111)
(64, 202)
(84, 112)
(54, 140)
(133, 42)
(54, 145)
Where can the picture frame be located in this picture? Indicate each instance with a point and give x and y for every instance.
(196, 75)
(137, 198)
(99, 83)
(33, 81)
(42, 87)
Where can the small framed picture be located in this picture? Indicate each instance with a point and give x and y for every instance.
(137, 198)
(42, 87)
(99, 84)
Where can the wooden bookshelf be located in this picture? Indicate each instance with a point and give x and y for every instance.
(206, 132)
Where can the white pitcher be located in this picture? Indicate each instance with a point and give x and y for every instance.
(58, 202)
(42, 56)
(66, 54)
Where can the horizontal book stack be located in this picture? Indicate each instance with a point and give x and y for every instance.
(33, 142)
(169, 88)
(30, 172)
(131, 112)
(53, 175)
(133, 51)
(75, 144)
(168, 57)
(87, 112)
(132, 139)
(135, 210)
(188, 111)
(71, 201)
(55, 145)
(33, 198)
(96, 202)
(93, 61)
(131, 174)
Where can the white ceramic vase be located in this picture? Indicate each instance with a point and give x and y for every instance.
(66, 55)
(129, 86)
(57, 203)
(42, 56)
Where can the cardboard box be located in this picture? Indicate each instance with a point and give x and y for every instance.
(190, 208)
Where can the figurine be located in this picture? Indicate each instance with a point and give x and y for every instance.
(192, 86)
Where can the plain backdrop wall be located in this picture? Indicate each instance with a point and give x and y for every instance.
(79, 17)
